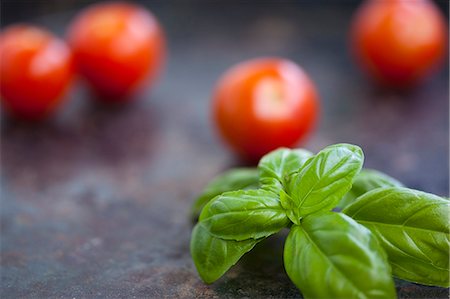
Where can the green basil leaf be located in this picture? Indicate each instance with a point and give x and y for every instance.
(331, 256)
(278, 164)
(213, 256)
(231, 180)
(413, 228)
(365, 181)
(325, 178)
(240, 215)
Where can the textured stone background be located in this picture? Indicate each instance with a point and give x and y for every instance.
(94, 203)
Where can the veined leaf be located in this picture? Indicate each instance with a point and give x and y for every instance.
(325, 178)
(331, 256)
(413, 228)
(365, 181)
(213, 256)
(240, 215)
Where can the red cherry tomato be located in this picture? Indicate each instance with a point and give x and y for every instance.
(35, 71)
(399, 42)
(263, 104)
(116, 47)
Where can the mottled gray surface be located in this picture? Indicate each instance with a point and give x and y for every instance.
(94, 203)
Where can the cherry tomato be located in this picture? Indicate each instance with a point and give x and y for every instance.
(263, 104)
(116, 47)
(35, 71)
(399, 42)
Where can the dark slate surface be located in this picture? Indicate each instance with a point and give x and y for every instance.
(94, 203)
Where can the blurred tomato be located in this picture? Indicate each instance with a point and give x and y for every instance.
(35, 71)
(399, 42)
(116, 47)
(263, 104)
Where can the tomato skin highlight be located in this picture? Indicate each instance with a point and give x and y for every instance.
(262, 104)
(36, 69)
(117, 46)
(399, 43)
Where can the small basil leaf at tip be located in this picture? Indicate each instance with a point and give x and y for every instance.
(287, 204)
(277, 165)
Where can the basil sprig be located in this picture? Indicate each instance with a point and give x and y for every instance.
(384, 229)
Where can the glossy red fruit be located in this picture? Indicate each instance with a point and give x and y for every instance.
(117, 47)
(262, 104)
(35, 71)
(399, 42)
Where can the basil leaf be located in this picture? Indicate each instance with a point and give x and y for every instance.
(277, 165)
(234, 179)
(366, 180)
(413, 227)
(240, 215)
(324, 179)
(213, 256)
(331, 256)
